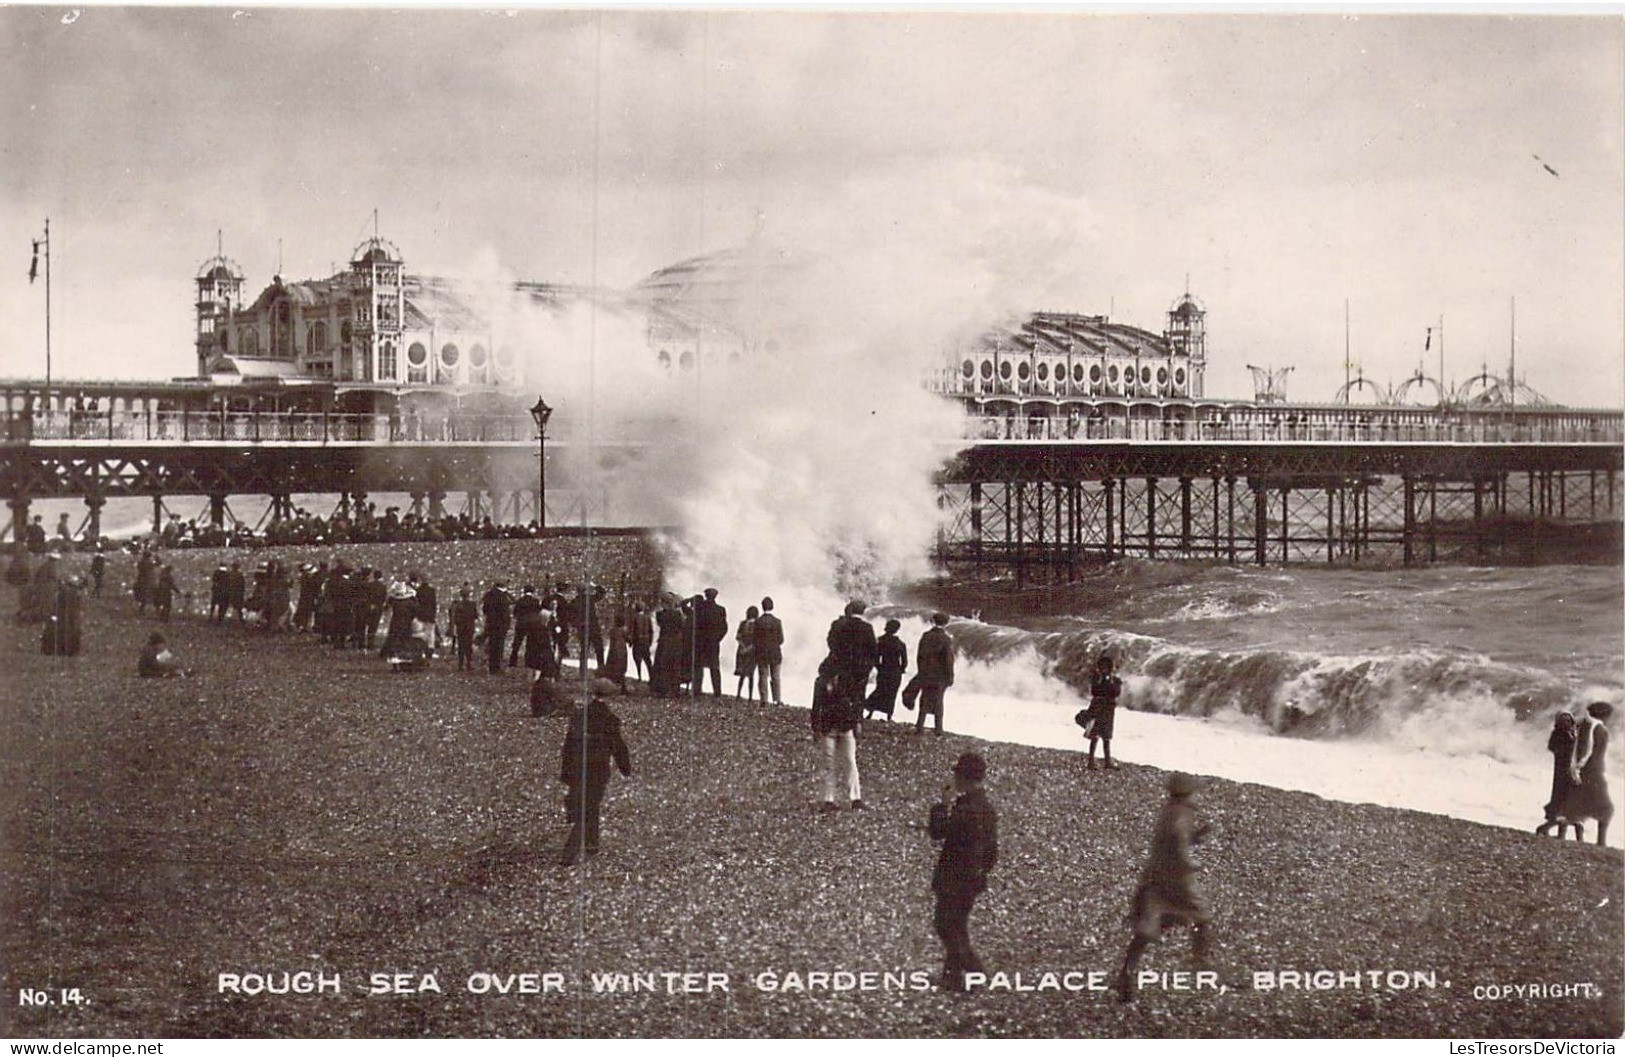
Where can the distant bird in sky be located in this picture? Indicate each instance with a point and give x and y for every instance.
(1543, 165)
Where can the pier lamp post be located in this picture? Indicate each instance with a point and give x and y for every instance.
(541, 413)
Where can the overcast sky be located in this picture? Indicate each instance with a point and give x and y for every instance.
(1283, 163)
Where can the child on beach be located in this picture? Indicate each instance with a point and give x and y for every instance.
(1104, 690)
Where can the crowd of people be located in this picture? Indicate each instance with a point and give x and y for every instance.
(675, 643)
(363, 523)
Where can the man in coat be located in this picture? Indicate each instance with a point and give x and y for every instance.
(968, 829)
(710, 628)
(497, 607)
(852, 644)
(525, 606)
(593, 741)
(1167, 894)
(934, 671)
(769, 652)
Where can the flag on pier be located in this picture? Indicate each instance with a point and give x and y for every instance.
(33, 265)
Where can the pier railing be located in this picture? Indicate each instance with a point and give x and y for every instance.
(294, 427)
(1358, 431)
(268, 427)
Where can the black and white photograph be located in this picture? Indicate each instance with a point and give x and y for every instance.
(644, 523)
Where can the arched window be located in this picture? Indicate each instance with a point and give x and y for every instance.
(387, 367)
(318, 338)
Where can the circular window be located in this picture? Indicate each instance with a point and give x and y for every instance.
(1004, 371)
(987, 368)
(1145, 375)
(1077, 373)
(1162, 376)
(449, 354)
(1094, 372)
(505, 357)
(476, 356)
(1112, 374)
(665, 359)
(417, 355)
(686, 361)
(1043, 372)
(1024, 371)
(968, 369)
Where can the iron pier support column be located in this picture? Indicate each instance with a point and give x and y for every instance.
(1230, 491)
(1150, 517)
(1020, 505)
(1111, 518)
(95, 501)
(1261, 522)
(1286, 524)
(976, 521)
(1185, 514)
(217, 509)
(19, 519)
(1408, 529)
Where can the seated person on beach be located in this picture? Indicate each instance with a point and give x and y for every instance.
(157, 662)
(412, 652)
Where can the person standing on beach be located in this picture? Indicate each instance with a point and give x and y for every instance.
(853, 646)
(1167, 894)
(745, 656)
(465, 616)
(1561, 745)
(665, 674)
(641, 637)
(934, 672)
(1590, 798)
(769, 652)
(710, 628)
(891, 663)
(837, 717)
(966, 824)
(1104, 690)
(594, 740)
(497, 608)
(98, 570)
(525, 606)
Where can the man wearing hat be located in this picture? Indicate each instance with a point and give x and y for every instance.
(710, 628)
(1167, 894)
(934, 673)
(593, 741)
(968, 829)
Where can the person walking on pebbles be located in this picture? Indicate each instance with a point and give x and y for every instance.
(1589, 797)
(1167, 894)
(593, 742)
(966, 824)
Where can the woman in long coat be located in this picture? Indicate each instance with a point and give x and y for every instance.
(671, 658)
(1561, 746)
(1589, 798)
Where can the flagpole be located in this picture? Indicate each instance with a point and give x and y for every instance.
(47, 315)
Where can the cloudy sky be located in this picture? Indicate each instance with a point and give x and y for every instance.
(1283, 163)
